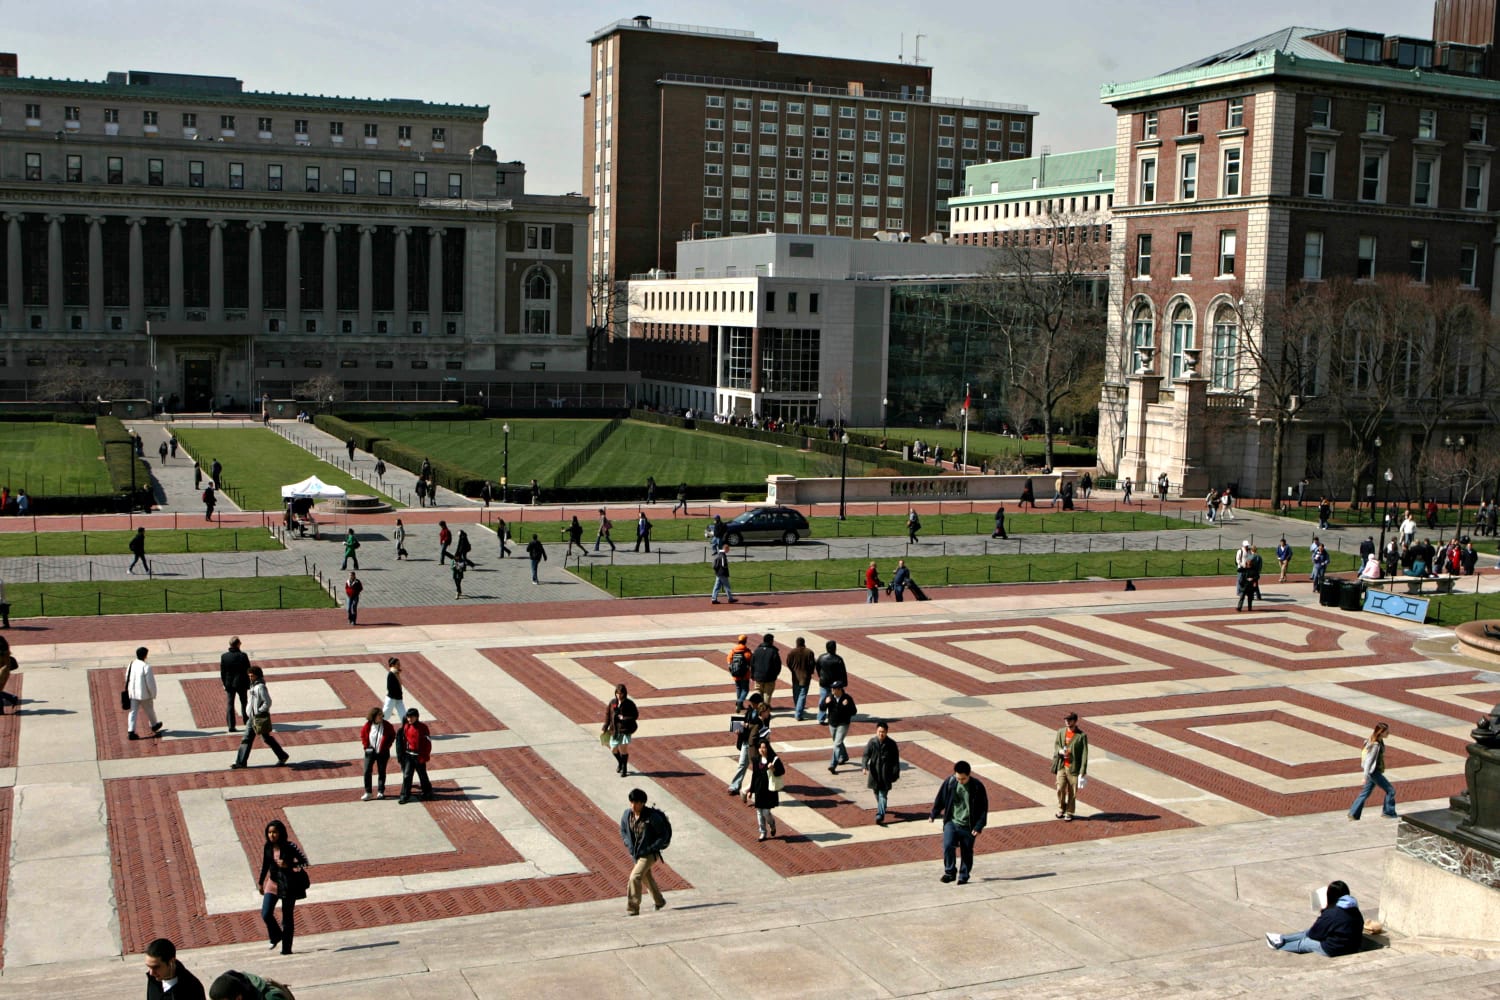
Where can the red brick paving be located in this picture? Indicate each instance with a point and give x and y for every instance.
(10, 725)
(1388, 644)
(159, 892)
(7, 802)
(1404, 690)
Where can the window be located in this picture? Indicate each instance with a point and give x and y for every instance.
(1149, 129)
(794, 107)
(440, 135)
(1236, 112)
(945, 163)
(846, 134)
(1227, 242)
(896, 160)
(336, 129)
(712, 191)
(148, 118)
(273, 177)
(972, 144)
(1142, 327)
(1226, 347)
(1182, 337)
(348, 182)
(849, 113)
(1231, 178)
(1375, 118)
(769, 107)
(1427, 123)
(1189, 119)
(114, 170)
(1479, 126)
(1184, 254)
(946, 121)
(713, 101)
(111, 116)
(403, 133)
(1148, 181)
(1143, 255)
(1475, 176)
(794, 131)
(1416, 261)
(262, 124)
(713, 146)
(1364, 268)
(713, 169)
(1424, 181)
(189, 120)
(993, 146)
(236, 177)
(812, 302)
(455, 185)
(538, 237)
(1322, 112)
(419, 183)
(372, 130)
(195, 173)
(714, 124)
(767, 128)
(1188, 189)
(299, 126)
(226, 123)
(1018, 148)
(768, 152)
(742, 126)
(1318, 172)
(1312, 256)
(1372, 176)
(945, 142)
(75, 168)
(872, 135)
(820, 110)
(820, 132)
(33, 111)
(741, 149)
(155, 173)
(793, 174)
(383, 180)
(312, 179)
(742, 104)
(1468, 264)
(537, 302)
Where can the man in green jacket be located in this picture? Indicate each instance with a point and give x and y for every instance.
(1070, 762)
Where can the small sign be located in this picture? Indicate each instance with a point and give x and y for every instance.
(1412, 609)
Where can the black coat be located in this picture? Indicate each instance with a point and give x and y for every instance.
(188, 987)
(1340, 931)
(979, 803)
(234, 670)
(882, 764)
(762, 795)
(269, 867)
(831, 668)
(765, 663)
(840, 709)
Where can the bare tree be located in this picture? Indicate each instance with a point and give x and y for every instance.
(322, 390)
(83, 388)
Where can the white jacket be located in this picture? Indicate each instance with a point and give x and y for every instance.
(140, 682)
(258, 701)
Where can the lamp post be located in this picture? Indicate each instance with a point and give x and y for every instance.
(884, 402)
(505, 466)
(1370, 496)
(1385, 503)
(1458, 449)
(843, 474)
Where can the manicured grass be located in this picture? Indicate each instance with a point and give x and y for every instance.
(843, 574)
(106, 543)
(139, 597)
(52, 460)
(1360, 519)
(538, 448)
(258, 463)
(665, 528)
(979, 443)
(1455, 609)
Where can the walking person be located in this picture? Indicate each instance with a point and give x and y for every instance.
(800, 665)
(215, 471)
(376, 738)
(999, 531)
(681, 499)
(840, 710)
(1126, 488)
(882, 767)
(831, 668)
(765, 668)
(417, 751)
(621, 719)
(140, 686)
(420, 489)
(642, 533)
(537, 553)
(1070, 762)
(913, 525)
(353, 587)
(502, 532)
(210, 500)
(8, 666)
(650, 490)
(1247, 584)
(172, 444)
(462, 549)
(1283, 558)
(138, 550)
(1372, 763)
(380, 471)
(605, 527)
(395, 701)
(167, 978)
(964, 807)
(738, 662)
(645, 833)
(282, 878)
(1226, 506)
(754, 727)
(234, 674)
(721, 577)
(258, 704)
(400, 535)
(575, 537)
(872, 584)
(458, 578)
(486, 493)
(445, 539)
(1028, 495)
(766, 773)
(4, 607)
(162, 451)
(1319, 565)
(351, 547)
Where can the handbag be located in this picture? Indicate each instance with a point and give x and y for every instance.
(261, 724)
(125, 692)
(778, 782)
(297, 882)
(604, 737)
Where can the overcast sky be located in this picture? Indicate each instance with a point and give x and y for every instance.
(529, 62)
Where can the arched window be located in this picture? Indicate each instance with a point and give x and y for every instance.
(1182, 336)
(1142, 331)
(538, 303)
(1225, 360)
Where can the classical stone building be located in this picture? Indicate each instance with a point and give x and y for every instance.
(213, 244)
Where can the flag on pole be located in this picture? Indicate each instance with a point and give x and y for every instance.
(968, 396)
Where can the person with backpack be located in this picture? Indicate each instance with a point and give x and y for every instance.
(642, 533)
(417, 741)
(351, 546)
(913, 525)
(462, 549)
(420, 489)
(739, 669)
(234, 985)
(765, 668)
(645, 832)
(138, 550)
(620, 721)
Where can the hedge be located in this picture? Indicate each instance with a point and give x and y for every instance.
(45, 417)
(119, 457)
(352, 416)
(455, 477)
(816, 438)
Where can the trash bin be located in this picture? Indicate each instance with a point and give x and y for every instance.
(1330, 592)
(1351, 596)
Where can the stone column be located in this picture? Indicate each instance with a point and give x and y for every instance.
(330, 279)
(1144, 392)
(175, 311)
(435, 282)
(96, 273)
(366, 280)
(15, 306)
(54, 272)
(137, 279)
(755, 360)
(255, 281)
(399, 281)
(216, 270)
(293, 276)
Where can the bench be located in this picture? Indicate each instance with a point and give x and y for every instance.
(1417, 584)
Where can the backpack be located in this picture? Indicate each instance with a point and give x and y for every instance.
(739, 664)
(208, 495)
(666, 829)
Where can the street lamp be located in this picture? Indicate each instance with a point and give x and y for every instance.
(1371, 494)
(1385, 504)
(843, 474)
(884, 402)
(505, 468)
(1458, 450)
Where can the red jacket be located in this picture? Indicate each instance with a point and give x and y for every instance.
(872, 578)
(445, 536)
(418, 740)
(387, 738)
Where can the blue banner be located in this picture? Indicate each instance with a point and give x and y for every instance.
(1413, 609)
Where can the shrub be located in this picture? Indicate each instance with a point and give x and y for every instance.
(121, 462)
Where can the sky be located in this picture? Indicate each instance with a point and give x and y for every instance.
(529, 62)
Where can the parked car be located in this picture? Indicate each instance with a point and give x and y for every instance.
(767, 524)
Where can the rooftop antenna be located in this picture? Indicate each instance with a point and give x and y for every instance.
(901, 56)
(916, 56)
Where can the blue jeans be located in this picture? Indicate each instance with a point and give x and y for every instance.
(534, 564)
(799, 700)
(278, 932)
(721, 583)
(741, 692)
(1301, 943)
(840, 755)
(739, 772)
(1371, 780)
(874, 597)
(880, 803)
(823, 694)
(963, 839)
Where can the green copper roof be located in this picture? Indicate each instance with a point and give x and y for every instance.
(1054, 173)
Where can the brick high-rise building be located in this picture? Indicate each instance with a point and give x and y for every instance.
(700, 132)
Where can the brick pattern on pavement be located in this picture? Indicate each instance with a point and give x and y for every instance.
(10, 722)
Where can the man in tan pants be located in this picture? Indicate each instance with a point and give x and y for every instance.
(1070, 762)
(646, 833)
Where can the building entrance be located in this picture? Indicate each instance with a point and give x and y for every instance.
(198, 385)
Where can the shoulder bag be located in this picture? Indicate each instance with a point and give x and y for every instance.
(125, 691)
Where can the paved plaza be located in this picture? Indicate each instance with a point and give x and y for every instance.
(1224, 752)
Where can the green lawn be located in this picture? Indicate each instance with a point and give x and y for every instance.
(158, 542)
(52, 460)
(137, 597)
(979, 443)
(258, 463)
(538, 448)
(843, 574)
(1361, 518)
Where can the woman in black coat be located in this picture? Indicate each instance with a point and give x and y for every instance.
(620, 717)
(765, 770)
(281, 877)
